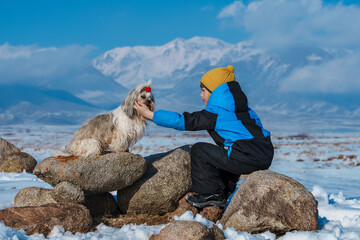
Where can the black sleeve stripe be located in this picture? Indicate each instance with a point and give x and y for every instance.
(216, 137)
(239, 97)
(250, 124)
(241, 110)
(202, 120)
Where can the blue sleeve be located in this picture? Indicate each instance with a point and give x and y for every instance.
(169, 119)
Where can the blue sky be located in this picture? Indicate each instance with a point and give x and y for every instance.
(48, 39)
(109, 23)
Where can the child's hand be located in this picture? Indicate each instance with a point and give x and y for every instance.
(143, 110)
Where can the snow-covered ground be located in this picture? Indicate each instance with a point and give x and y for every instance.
(327, 165)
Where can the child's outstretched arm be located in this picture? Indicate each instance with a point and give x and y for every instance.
(202, 120)
(143, 110)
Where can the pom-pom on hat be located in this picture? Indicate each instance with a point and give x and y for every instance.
(217, 76)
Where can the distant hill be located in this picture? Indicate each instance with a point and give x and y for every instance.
(12, 95)
(30, 104)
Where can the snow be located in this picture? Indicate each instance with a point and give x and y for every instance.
(160, 62)
(328, 165)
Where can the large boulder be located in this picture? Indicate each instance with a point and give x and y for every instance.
(186, 230)
(13, 160)
(268, 201)
(93, 174)
(42, 219)
(166, 180)
(33, 196)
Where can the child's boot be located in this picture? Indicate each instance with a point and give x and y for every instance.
(202, 200)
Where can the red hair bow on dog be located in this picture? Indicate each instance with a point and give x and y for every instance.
(148, 89)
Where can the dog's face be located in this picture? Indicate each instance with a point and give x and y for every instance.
(141, 93)
(147, 98)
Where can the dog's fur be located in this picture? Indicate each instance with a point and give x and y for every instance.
(115, 131)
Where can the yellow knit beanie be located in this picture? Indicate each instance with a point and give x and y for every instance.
(217, 76)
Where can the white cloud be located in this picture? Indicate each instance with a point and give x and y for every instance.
(314, 57)
(35, 65)
(282, 23)
(232, 10)
(340, 75)
(87, 94)
(11, 52)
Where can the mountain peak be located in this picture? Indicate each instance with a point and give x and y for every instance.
(130, 66)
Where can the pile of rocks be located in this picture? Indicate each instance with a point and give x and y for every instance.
(152, 190)
(151, 186)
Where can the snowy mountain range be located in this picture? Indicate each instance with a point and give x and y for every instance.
(176, 68)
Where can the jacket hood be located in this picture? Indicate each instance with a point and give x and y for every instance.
(223, 98)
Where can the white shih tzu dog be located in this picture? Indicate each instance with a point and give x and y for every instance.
(115, 131)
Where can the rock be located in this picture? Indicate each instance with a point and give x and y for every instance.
(217, 232)
(42, 219)
(93, 174)
(184, 230)
(33, 196)
(18, 162)
(67, 192)
(268, 201)
(102, 204)
(183, 207)
(6, 149)
(138, 219)
(61, 193)
(121, 220)
(212, 213)
(13, 160)
(166, 180)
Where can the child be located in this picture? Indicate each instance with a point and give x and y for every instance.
(242, 144)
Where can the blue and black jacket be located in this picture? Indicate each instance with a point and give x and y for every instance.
(230, 122)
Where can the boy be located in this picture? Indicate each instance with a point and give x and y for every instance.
(242, 144)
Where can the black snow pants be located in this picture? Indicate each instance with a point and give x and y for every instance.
(213, 171)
